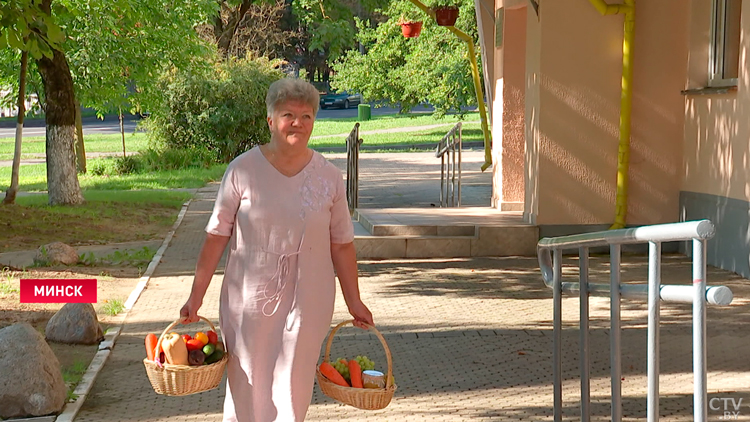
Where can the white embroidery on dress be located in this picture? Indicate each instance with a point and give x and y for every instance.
(315, 190)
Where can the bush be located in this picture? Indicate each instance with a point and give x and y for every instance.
(176, 159)
(221, 111)
(127, 165)
(152, 160)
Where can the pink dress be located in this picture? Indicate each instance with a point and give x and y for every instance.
(278, 290)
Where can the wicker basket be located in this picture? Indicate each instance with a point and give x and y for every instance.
(182, 380)
(361, 398)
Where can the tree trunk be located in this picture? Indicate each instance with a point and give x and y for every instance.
(224, 33)
(122, 132)
(10, 194)
(80, 148)
(62, 179)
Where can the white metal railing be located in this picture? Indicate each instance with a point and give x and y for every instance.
(549, 251)
(352, 168)
(450, 167)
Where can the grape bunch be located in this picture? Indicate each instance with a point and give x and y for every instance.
(341, 366)
(365, 363)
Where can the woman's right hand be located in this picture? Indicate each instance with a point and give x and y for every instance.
(189, 311)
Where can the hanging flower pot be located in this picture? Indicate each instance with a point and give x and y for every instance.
(411, 29)
(446, 16)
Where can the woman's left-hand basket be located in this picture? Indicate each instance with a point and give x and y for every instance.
(182, 380)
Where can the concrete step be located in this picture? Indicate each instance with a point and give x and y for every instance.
(451, 233)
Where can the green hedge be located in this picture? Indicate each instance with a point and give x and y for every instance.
(221, 110)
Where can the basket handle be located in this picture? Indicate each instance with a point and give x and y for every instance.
(172, 325)
(327, 355)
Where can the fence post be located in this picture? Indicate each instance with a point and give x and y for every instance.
(654, 283)
(615, 332)
(700, 412)
(352, 168)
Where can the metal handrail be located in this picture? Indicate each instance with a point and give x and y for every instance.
(551, 267)
(353, 143)
(450, 167)
(703, 229)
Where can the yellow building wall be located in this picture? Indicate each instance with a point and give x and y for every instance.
(717, 127)
(508, 112)
(573, 85)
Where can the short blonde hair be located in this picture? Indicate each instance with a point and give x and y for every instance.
(290, 89)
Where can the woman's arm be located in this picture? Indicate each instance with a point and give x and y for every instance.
(208, 260)
(345, 262)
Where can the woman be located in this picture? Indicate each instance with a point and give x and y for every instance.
(282, 209)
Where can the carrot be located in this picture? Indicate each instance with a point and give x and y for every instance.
(151, 345)
(332, 374)
(355, 372)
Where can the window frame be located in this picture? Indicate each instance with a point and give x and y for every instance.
(716, 60)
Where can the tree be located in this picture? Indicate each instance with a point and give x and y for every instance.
(309, 32)
(10, 194)
(27, 25)
(432, 68)
(118, 50)
(60, 119)
(259, 32)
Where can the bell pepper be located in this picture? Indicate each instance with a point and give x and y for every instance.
(174, 349)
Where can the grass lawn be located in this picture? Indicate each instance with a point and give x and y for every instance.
(327, 127)
(336, 129)
(469, 132)
(33, 178)
(137, 206)
(106, 216)
(35, 145)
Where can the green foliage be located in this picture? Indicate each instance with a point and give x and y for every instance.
(435, 4)
(152, 160)
(175, 159)
(116, 49)
(6, 288)
(222, 110)
(26, 27)
(72, 375)
(404, 72)
(113, 307)
(129, 257)
(127, 165)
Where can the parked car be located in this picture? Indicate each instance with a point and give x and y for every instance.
(341, 99)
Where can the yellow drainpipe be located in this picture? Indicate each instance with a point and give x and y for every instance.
(626, 101)
(477, 84)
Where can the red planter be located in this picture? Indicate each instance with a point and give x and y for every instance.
(446, 16)
(411, 29)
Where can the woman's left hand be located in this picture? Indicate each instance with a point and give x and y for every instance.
(361, 315)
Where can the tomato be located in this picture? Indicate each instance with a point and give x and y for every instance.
(213, 338)
(186, 337)
(202, 337)
(194, 344)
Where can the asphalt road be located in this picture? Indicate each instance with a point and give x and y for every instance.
(111, 125)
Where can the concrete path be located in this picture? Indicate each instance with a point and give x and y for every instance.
(470, 338)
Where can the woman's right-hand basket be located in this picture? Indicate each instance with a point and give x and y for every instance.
(182, 380)
(361, 398)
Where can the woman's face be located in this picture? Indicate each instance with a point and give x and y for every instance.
(292, 123)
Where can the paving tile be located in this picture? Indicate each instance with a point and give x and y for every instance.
(470, 339)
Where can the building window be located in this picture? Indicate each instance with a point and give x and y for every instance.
(725, 43)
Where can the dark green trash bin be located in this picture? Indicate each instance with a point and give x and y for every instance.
(363, 112)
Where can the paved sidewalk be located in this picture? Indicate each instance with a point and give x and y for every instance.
(470, 338)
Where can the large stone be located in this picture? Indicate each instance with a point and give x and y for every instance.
(31, 383)
(75, 323)
(56, 253)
